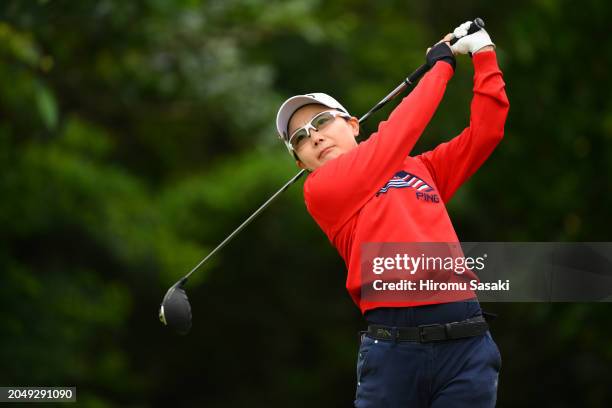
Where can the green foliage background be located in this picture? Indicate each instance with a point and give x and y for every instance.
(135, 135)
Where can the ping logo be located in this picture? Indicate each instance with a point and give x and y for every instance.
(403, 179)
(383, 332)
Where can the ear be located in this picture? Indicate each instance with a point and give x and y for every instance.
(301, 165)
(354, 122)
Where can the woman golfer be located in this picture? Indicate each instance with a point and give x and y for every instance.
(413, 354)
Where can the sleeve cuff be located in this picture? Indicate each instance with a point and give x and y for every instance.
(444, 68)
(485, 60)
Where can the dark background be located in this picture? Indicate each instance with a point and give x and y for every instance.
(135, 135)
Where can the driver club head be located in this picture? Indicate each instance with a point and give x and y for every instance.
(175, 310)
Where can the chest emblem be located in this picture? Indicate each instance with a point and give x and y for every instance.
(403, 179)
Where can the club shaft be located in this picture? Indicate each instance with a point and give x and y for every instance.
(247, 222)
(477, 24)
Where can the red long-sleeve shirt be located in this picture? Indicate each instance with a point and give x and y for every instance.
(376, 192)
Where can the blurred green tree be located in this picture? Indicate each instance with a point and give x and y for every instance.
(135, 135)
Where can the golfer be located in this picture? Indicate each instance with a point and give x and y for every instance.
(413, 354)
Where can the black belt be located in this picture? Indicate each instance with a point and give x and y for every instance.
(426, 333)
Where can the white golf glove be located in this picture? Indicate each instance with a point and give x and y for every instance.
(470, 43)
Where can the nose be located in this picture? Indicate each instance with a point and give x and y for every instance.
(316, 137)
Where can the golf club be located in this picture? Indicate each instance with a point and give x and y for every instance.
(175, 310)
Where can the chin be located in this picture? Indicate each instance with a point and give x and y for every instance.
(335, 153)
(328, 157)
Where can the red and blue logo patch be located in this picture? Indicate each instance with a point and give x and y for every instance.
(404, 179)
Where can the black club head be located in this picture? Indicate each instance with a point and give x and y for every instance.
(175, 310)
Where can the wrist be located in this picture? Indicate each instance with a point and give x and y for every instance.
(485, 48)
(449, 61)
(445, 70)
(485, 61)
(440, 52)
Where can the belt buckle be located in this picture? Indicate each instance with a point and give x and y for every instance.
(383, 333)
(422, 334)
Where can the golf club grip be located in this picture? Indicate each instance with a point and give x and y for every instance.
(420, 71)
(476, 25)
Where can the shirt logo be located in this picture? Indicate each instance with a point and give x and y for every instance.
(403, 179)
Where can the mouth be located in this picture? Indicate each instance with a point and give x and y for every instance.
(325, 151)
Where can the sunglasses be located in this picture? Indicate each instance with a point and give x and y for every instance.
(318, 123)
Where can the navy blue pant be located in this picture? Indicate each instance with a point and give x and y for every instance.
(453, 373)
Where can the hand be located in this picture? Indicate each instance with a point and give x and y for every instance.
(478, 41)
(441, 52)
(447, 38)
